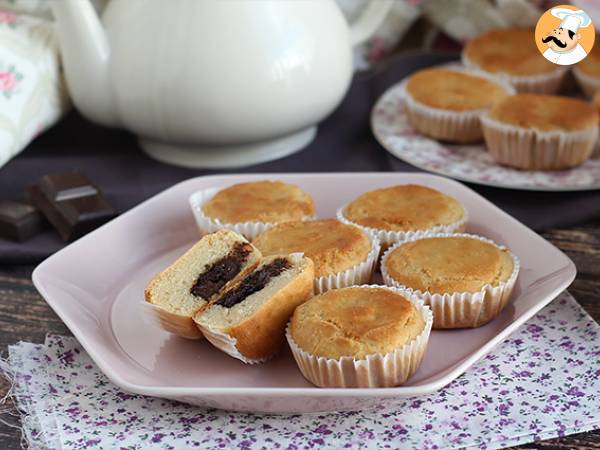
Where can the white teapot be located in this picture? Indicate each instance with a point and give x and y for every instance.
(211, 83)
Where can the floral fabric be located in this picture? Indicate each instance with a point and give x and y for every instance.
(542, 382)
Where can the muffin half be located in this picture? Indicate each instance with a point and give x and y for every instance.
(247, 321)
(446, 103)
(512, 55)
(362, 336)
(541, 132)
(465, 279)
(187, 285)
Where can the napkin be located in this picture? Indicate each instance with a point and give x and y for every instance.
(542, 382)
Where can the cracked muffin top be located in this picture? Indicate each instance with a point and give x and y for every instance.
(355, 322)
(406, 207)
(260, 201)
(449, 264)
(332, 245)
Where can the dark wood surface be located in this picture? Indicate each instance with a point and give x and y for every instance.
(25, 316)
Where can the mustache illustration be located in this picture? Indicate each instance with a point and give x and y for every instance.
(556, 41)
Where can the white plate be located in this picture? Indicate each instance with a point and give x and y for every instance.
(96, 284)
(470, 163)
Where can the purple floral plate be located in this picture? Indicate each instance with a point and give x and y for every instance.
(470, 163)
(96, 286)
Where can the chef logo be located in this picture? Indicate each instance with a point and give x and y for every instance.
(564, 35)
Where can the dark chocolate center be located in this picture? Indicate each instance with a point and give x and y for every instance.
(217, 274)
(254, 282)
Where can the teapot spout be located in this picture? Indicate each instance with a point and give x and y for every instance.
(85, 55)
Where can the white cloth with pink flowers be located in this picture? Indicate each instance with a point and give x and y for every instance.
(32, 93)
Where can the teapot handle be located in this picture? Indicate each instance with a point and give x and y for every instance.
(369, 21)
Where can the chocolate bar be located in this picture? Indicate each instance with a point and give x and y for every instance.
(71, 203)
(19, 221)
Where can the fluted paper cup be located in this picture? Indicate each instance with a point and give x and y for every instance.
(387, 237)
(531, 149)
(376, 370)
(459, 309)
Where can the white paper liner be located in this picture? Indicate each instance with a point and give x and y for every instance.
(249, 230)
(544, 83)
(227, 344)
(388, 237)
(448, 125)
(588, 83)
(376, 370)
(359, 274)
(531, 149)
(156, 316)
(460, 309)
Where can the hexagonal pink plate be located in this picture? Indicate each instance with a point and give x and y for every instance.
(96, 284)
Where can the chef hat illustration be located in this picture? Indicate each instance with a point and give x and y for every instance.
(570, 19)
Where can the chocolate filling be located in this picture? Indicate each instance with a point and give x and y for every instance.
(217, 274)
(254, 282)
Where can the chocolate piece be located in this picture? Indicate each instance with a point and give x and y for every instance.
(217, 274)
(254, 282)
(71, 203)
(19, 221)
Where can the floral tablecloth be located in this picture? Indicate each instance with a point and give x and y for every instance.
(544, 381)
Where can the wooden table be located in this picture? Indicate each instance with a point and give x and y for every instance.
(25, 316)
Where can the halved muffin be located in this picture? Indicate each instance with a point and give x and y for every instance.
(247, 321)
(187, 285)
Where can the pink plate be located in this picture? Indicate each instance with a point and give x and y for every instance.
(96, 285)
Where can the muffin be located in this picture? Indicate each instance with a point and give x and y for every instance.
(395, 213)
(465, 279)
(587, 72)
(250, 208)
(177, 293)
(343, 254)
(511, 54)
(362, 336)
(247, 321)
(445, 104)
(540, 132)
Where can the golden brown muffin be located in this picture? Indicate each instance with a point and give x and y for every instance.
(449, 264)
(596, 100)
(454, 90)
(261, 201)
(541, 132)
(509, 51)
(333, 246)
(545, 112)
(512, 54)
(355, 322)
(404, 208)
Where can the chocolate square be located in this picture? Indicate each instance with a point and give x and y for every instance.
(19, 221)
(71, 203)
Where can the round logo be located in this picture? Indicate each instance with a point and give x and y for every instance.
(564, 35)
